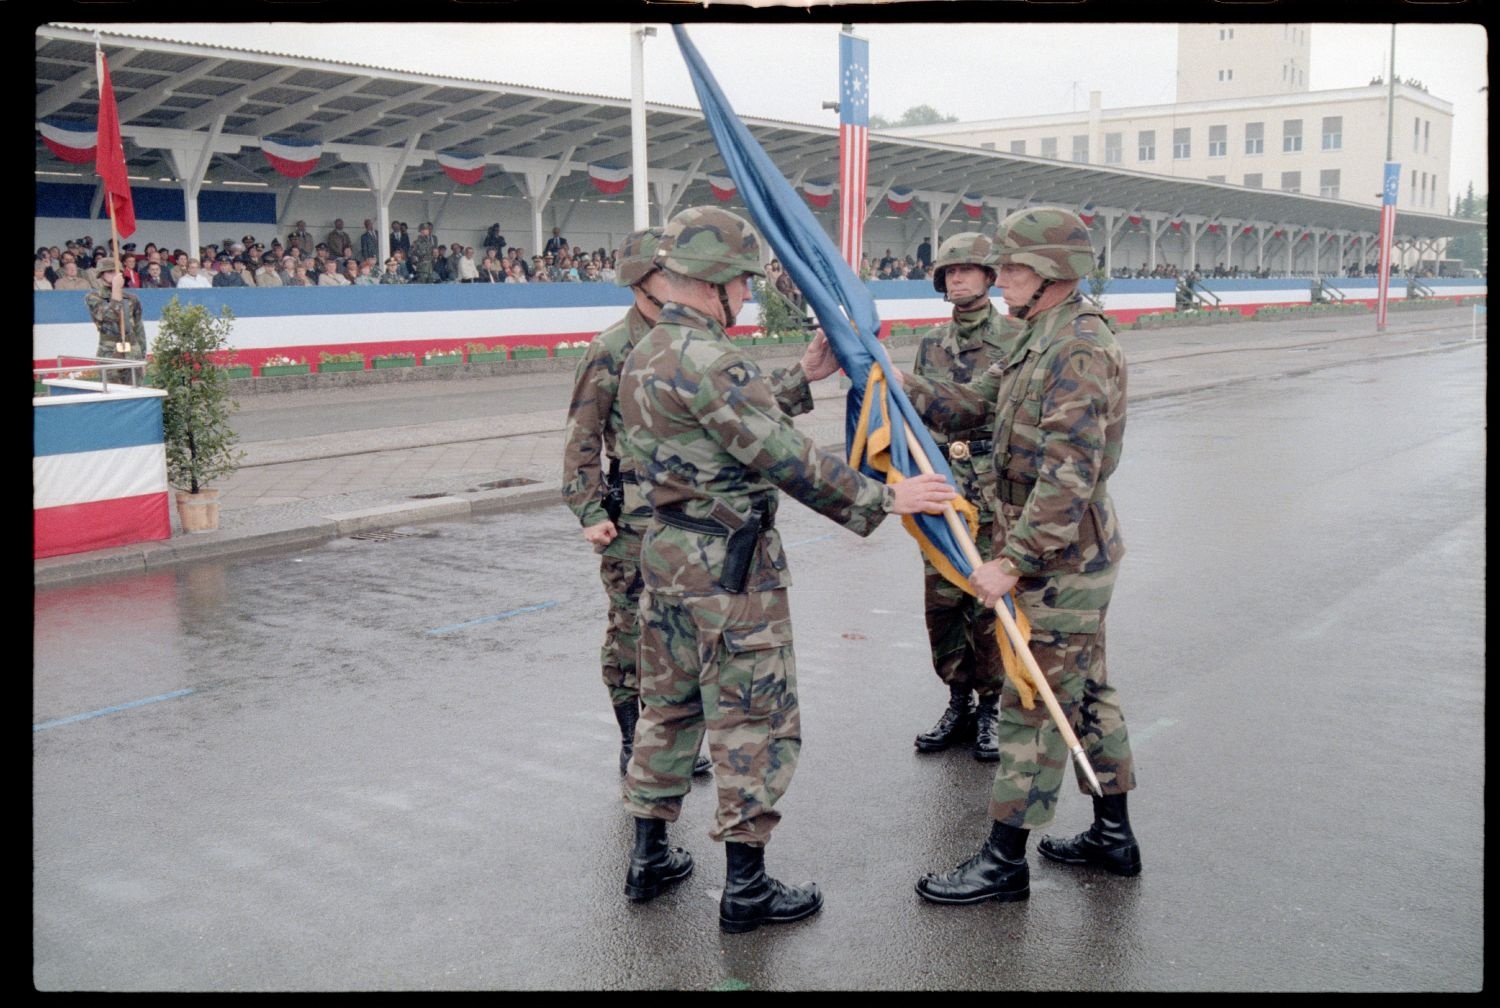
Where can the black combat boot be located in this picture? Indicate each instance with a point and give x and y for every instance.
(998, 872)
(956, 724)
(654, 865)
(627, 713)
(987, 730)
(752, 898)
(1107, 844)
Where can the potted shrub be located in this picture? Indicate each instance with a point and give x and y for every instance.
(438, 357)
(393, 360)
(527, 351)
(195, 413)
(351, 361)
(281, 364)
(481, 354)
(576, 348)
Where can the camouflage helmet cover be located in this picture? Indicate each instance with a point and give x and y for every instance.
(967, 248)
(710, 244)
(105, 266)
(1051, 240)
(637, 257)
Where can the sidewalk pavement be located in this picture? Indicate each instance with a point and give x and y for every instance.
(301, 491)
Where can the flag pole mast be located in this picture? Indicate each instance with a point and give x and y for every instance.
(1022, 647)
(122, 345)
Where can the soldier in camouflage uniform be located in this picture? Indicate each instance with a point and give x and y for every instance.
(1057, 403)
(711, 444)
(104, 303)
(422, 247)
(960, 631)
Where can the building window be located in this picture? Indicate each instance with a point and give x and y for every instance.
(1422, 192)
(1426, 135)
(1049, 147)
(1432, 200)
(1146, 145)
(1333, 132)
(1416, 135)
(1291, 135)
(1229, 74)
(1291, 181)
(1182, 143)
(1231, 33)
(1081, 149)
(1252, 180)
(1218, 141)
(1414, 182)
(1221, 34)
(1328, 183)
(1255, 138)
(1114, 148)
(987, 145)
(1216, 178)
(1018, 146)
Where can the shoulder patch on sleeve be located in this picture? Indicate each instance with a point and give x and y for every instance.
(1079, 360)
(740, 373)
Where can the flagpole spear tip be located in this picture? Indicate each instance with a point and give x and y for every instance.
(1088, 771)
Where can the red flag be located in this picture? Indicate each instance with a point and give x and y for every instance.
(110, 161)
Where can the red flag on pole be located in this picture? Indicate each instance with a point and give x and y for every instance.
(110, 162)
(854, 143)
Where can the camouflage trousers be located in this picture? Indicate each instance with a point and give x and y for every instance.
(620, 571)
(1067, 640)
(961, 630)
(720, 664)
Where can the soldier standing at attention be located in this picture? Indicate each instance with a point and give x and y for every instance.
(1057, 403)
(422, 248)
(605, 496)
(104, 304)
(961, 632)
(711, 445)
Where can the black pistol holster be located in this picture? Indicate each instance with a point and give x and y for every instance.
(614, 495)
(741, 532)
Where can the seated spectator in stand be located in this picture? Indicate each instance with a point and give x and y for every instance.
(441, 265)
(366, 277)
(192, 274)
(266, 274)
(607, 270)
(517, 274)
(243, 271)
(392, 275)
(591, 272)
(491, 270)
(71, 279)
(299, 276)
(225, 274)
(567, 272)
(350, 271)
(403, 267)
(155, 277)
(330, 276)
(39, 279)
(468, 270)
(540, 273)
(518, 255)
(300, 236)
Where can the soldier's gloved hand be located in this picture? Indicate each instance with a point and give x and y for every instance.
(927, 492)
(601, 534)
(818, 360)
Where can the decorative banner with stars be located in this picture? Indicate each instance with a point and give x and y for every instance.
(854, 143)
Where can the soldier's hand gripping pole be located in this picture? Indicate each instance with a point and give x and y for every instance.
(1020, 644)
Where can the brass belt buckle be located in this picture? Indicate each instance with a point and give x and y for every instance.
(958, 450)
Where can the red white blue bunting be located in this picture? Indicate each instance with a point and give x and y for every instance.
(899, 199)
(292, 158)
(609, 179)
(463, 168)
(819, 194)
(73, 142)
(1086, 214)
(973, 204)
(723, 187)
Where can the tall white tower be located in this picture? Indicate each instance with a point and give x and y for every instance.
(1241, 60)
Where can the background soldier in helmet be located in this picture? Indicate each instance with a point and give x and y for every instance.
(1057, 404)
(712, 445)
(960, 630)
(104, 305)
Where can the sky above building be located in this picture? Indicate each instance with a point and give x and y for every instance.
(972, 70)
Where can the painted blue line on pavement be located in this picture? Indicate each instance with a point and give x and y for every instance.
(110, 710)
(491, 619)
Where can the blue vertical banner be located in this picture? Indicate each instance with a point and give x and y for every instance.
(1387, 237)
(854, 143)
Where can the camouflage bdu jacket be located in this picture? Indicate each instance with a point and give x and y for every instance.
(704, 430)
(591, 438)
(968, 343)
(106, 316)
(1058, 409)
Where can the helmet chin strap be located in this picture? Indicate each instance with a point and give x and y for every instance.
(723, 293)
(1025, 309)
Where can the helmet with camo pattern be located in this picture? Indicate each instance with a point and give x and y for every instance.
(1051, 240)
(637, 257)
(967, 248)
(711, 244)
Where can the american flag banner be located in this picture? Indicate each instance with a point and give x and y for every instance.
(854, 143)
(1387, 237)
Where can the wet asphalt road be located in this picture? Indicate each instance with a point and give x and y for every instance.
(389, 764)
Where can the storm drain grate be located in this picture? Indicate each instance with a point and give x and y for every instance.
(379, 535)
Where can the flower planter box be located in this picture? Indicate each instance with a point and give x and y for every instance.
(240, 371)
(393, 362)
(445, 360)
(796, 337)
(277, 370)
(766, 340)
(38, 388)
(531, 354)
(341, 365)
(569, 351)
(489, 357)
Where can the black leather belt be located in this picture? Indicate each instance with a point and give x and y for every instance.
(674, 515)
(958, 451)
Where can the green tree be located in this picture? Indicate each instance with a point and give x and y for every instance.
(1470, 248)
(917, 115)
(195, 414)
